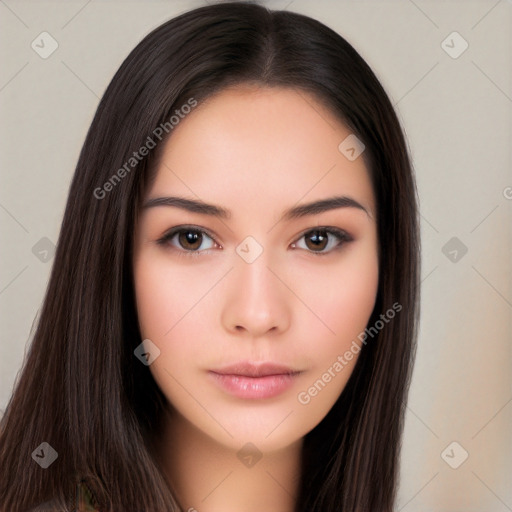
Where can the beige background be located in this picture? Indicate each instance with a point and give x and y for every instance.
(457, 116)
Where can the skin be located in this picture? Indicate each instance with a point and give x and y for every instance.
(256, 152)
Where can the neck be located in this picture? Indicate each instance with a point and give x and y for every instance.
(207, 476)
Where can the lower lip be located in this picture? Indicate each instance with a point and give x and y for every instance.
(254, 387)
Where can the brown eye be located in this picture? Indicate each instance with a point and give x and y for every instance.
(186, 240)
(317, 240)
(320, 239)
(190, 239)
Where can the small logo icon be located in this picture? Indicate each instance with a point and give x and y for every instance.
(454, 249)
(351, 147)
(249, 249)
(147, 352)
(249, 455)
(44, 45)
(44, 455)
(44, 249)
(454, 45)
(454, 455)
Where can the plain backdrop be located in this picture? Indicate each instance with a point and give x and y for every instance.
(453, 95)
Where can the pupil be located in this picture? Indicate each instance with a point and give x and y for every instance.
(191, 237)
(317, 235)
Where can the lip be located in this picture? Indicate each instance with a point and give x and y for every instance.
(249, 369)
(253, 380)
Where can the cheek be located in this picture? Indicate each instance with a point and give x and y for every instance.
(152, 297)
(343, 297)
(352, 298)
(344, 304)
(171, 303)
(164, 295)
(164, 298)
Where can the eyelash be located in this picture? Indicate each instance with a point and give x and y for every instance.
(340, 234)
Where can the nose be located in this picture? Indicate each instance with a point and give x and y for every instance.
(257, 300)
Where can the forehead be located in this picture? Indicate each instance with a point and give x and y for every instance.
(258, 147)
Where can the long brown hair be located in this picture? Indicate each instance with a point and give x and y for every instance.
(82, 390)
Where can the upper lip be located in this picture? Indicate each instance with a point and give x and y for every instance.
(249, 369)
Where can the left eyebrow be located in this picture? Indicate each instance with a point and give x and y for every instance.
(295, 212)
(323, 205)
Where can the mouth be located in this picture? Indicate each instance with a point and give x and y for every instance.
(248, 369)
(252, 380)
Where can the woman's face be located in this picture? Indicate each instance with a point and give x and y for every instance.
(256, 287)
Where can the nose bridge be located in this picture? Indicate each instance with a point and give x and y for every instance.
(256, 299)
(254, 276)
